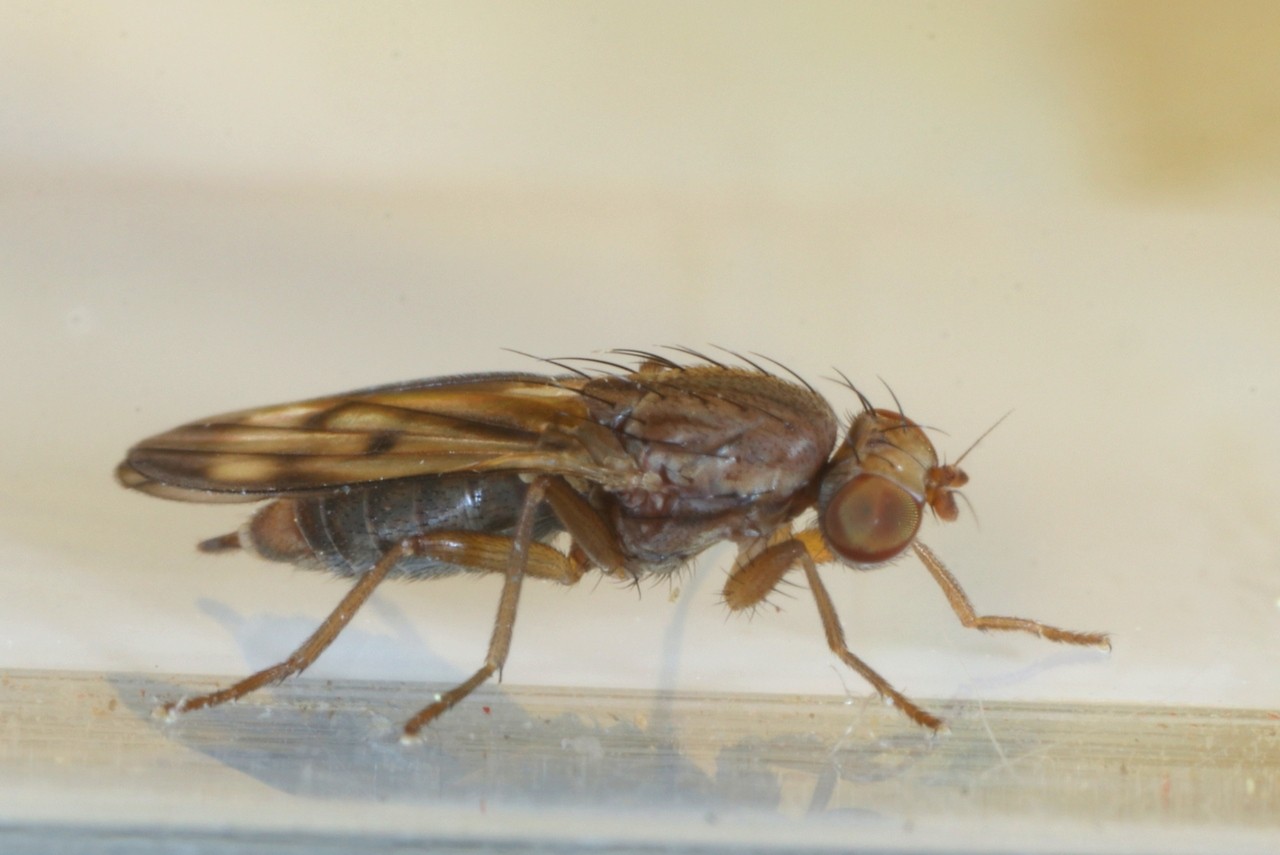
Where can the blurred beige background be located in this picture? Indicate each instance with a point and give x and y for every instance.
(1071, 210)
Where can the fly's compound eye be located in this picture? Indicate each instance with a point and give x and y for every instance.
(870, 519)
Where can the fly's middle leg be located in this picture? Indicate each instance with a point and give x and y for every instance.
(525, 556)
(504, 622)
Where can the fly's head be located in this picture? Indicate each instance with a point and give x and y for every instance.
(873, 495)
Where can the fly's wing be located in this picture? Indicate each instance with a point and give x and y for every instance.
(475, 423)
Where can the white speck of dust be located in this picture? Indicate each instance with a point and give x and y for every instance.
(588, 746)
(80, 320)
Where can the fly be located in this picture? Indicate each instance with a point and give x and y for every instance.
(642, 470)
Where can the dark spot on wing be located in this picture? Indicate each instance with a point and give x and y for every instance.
(381, 442)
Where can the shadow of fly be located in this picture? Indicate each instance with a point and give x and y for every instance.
(642, 468)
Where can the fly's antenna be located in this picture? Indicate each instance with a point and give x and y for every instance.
(981, 438)
(973, 512)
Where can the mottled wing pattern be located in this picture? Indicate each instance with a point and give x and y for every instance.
(474, 423)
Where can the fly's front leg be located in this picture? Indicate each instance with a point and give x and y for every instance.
(751, 582)
(963, 608)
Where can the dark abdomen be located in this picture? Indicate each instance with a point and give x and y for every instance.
(347, 532)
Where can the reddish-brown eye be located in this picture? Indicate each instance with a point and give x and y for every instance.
(870, 520)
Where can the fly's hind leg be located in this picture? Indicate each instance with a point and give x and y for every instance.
(751, 582)
(477, 551)
(515, 556)
(310, 649)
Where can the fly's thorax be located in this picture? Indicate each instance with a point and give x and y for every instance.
(873, 496)
(705, 440)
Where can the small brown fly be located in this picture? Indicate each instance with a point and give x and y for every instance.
(642, 469)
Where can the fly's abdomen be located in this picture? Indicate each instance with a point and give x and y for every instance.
(347, 532)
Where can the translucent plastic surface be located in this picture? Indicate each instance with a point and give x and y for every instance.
(318, 764)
